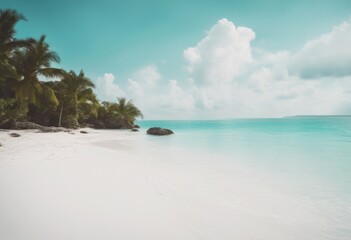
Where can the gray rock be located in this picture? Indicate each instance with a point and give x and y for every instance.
(30, 125)
(15, 135)
(25, 125)
(159, 131)
(83, 132)
(135, 130)
(54, 129)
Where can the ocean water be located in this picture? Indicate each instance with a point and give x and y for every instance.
(312, 154)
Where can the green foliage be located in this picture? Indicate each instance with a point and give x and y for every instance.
(88, 111)
(127, 111)
(70, 121)
(77, 99)
(118, 115)
(69, 101)
(8, 42)
(12, 110)
(107, 116)
(30, 64)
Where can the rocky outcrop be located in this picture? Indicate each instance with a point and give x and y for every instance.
(30, 125)
(15, 135)
(159, 131)
(135, 130)
(25, 125)
(84, 132)
(54, 129)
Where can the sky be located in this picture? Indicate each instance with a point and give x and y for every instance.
(204, 59)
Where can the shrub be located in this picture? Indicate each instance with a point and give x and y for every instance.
(12, 110)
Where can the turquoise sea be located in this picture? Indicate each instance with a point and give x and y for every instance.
(313, 154)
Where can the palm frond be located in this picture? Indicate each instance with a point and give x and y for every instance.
(14, 44)
(51, 72)
(8, 20)
(49, 95)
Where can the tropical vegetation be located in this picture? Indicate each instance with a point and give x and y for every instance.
(31, 89)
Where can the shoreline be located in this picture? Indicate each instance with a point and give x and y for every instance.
(112, 184)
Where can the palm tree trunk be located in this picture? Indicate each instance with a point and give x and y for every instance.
(60, 117)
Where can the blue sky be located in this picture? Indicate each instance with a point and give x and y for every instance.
(130, 43)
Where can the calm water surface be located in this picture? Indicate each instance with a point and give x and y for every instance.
(312, 152)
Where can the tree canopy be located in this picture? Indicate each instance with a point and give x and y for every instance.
(65, 98)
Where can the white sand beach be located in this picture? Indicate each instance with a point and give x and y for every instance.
(113, 185)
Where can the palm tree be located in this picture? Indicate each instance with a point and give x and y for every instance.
(8, 43)
(88, 105)
(127, 112)
(31, 63)
(76, 91)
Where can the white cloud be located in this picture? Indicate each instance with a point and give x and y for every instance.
(177, 98)
(143, 87)
(148, 75)
(228, 78)
(143, 81)
(107, 88)
(153, 97)
(259, 83)
(135, 88)
(222, 55)
(261, 80)
(327, 55)
(192, 56)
